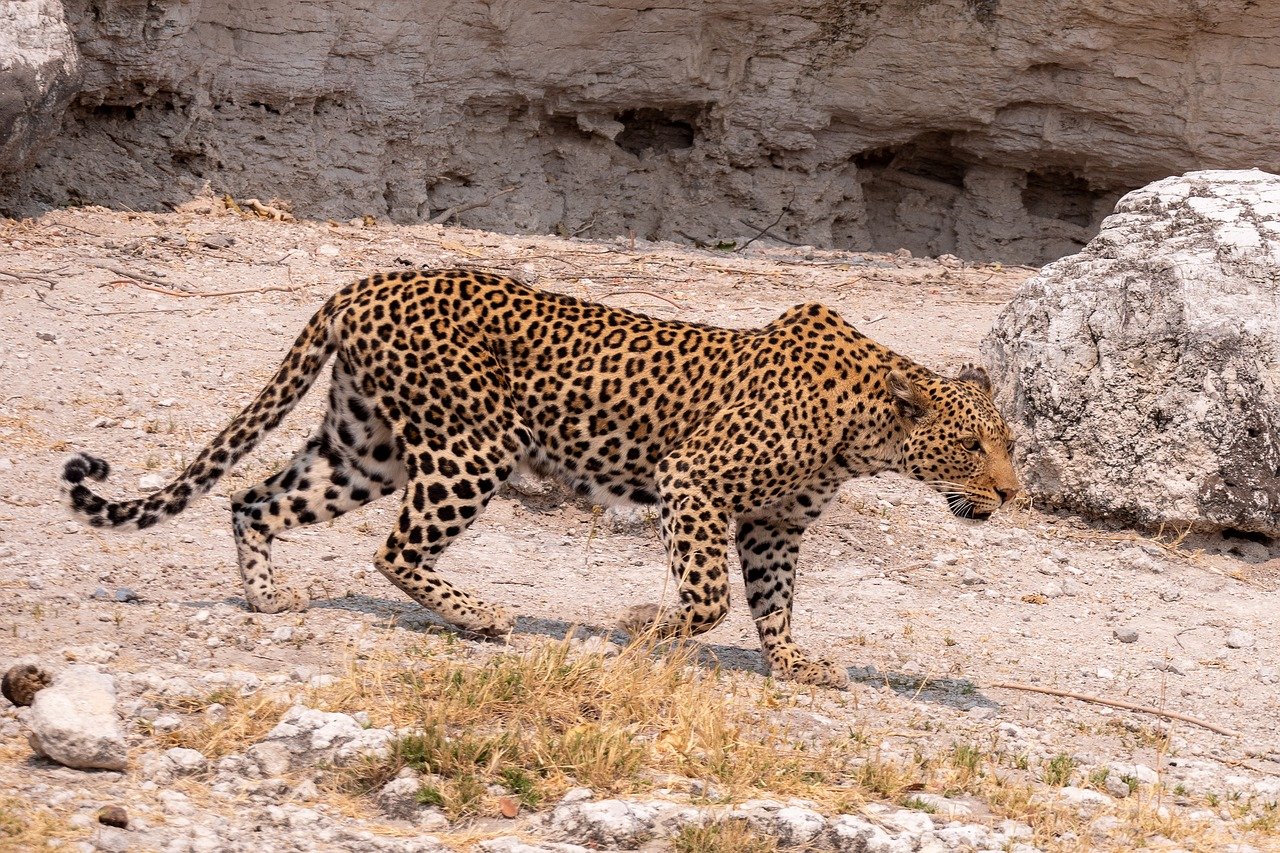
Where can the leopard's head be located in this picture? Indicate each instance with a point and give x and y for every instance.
(957, 442)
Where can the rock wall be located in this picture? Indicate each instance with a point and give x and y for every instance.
(1144, 372)
(998, 129)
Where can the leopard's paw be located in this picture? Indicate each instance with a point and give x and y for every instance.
(819, 673)
(282, 599)
(296, 598)
(487, 620)
(640, 620)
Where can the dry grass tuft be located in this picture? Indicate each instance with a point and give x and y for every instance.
(540, 723)
(27, 825)
(247, 721)
(729, 836)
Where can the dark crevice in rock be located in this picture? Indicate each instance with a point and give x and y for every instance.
(649, 131)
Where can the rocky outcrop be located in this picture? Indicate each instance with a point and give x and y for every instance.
(992, 130)
(1145, 370)
(39, 75)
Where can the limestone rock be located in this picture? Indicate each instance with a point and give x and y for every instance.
(39, 75)
(1143, 370)
(609, 823)
(324, 736)
(73, 721)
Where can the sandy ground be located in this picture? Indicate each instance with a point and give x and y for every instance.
(890, 583)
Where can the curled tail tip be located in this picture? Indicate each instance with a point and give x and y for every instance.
(82, 501)
(81, 466)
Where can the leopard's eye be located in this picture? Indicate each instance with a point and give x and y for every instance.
(971, 444)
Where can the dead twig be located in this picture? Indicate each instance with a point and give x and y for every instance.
(132, 276)
(1115, 703)
(27, 275)
(143, 311)
(643, 293)
(463, 208)
(158, 286)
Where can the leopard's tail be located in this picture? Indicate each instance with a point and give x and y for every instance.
(295, 376)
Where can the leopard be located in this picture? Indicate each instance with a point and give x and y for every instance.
(445, 382)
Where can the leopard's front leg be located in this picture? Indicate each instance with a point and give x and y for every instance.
(768, 549)
(695, 529)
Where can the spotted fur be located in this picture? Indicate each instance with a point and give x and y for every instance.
(444, 382)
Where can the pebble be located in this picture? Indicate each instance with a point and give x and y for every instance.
(113, 816)
(1239, 639)
(186, 761)
(151, 482)
(167, 723)
(217, 241)
(1125, 635)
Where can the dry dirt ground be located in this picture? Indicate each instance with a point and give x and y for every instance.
(112, 341)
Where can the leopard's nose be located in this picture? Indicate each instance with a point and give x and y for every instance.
(1006, 495)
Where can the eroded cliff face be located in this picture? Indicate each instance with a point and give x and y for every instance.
(997, 129)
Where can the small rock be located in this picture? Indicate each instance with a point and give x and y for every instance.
(509, 807)
(100, 594)
(282, 635)
(1083, 797)
(1052, 589)
(944, 806)
(398, 799)
(113, 816)
(167, 723)
(217, 241)
(325, 250)
(1170, 594)
(109, 839)
(73, 721)
(47, 337)
(577, 795)
(797, 827)
(272, 758)
(607, 823)
(306, 790)
(972, 578)
(1125, 635)
(854, 833)
(186, 761)
(22, 682)
(126, 595)
(151, 482)
(1239, 639)
(215, 713)
(1116, 786)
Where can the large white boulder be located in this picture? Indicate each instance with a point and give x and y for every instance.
(1145, 370)
(73, 721)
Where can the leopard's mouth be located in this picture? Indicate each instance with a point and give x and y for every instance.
(962, 507)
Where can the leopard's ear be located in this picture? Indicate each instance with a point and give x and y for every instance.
(910, 398)
(976, 375)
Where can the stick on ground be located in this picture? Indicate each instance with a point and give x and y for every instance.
(1116, 703)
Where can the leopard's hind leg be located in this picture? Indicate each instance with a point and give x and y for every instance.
(347, 464)
(448, 488)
